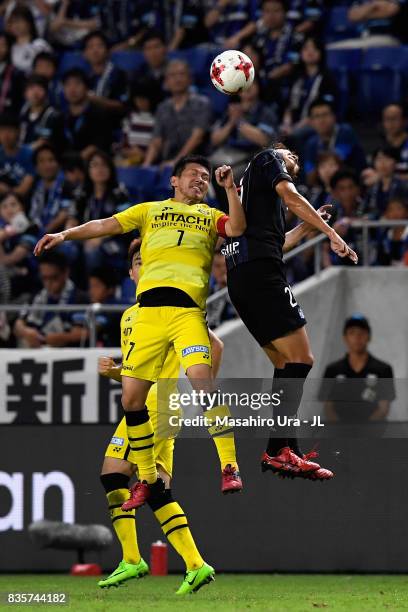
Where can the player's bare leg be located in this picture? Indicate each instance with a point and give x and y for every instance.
(202, 379)
(141, 439)
(292, 357)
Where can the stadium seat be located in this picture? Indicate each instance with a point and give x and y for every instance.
(338, 27)
(219, 101)
(72, 59)
(129, 61)
(140, 182)
(344, 65)
(380, 79)
(163, 189)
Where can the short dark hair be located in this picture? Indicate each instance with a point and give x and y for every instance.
(191, 159)
(23, 12)
(388, 152)
(44, 147)
(72, 161)
(106, 275)
(54, 258)
(321, 102)
(45, 56)
(357, 320)
(36, 79)
(152, 35)
(398, 105)
(281, 2)
(95, 34)
(134, 249)
(340, 175)
(9, 120)
(76, 73)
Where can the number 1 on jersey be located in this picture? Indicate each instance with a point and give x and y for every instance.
(181, 232)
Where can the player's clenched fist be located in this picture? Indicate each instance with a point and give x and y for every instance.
(106, 365)
(224, 177)
(49, 241)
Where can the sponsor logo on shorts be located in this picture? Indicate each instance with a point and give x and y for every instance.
(197, 348)
(117, 441)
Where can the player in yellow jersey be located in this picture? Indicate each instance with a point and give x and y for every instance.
(178, 239)
(116, 469)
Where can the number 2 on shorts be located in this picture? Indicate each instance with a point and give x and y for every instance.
(292, 300)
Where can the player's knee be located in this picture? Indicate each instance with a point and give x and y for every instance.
(114, 481)
(132, 401)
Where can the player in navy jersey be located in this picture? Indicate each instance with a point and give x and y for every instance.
(263, 298)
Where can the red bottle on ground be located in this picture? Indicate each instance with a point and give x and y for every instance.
(158, 559)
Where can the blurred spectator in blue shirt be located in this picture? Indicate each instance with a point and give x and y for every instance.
(394, 124)
(331, 136)
(328, 163)
(108, 84)
(393, 242)
(102, 198)
(229, 22)
(37, 117)
(188, 29)
(305, 17)
(247, 125)
(348, 205)
(377, 21)
(137, 126)
(49, 328)
(72, 21)
(102, 286)
(154, 66)
(18, 237)
(52, 195)
(27, 44)
(84, 126)
(311, 82)
(383, 184)
(46, 65)
(16, 168)
(11, 79)
(274, 42)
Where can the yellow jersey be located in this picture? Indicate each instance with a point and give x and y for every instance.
(178, 242)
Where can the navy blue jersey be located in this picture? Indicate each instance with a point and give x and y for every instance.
(264, 211)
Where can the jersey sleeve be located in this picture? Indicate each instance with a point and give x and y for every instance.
(220, 219)
(132, 218)
(274, 170)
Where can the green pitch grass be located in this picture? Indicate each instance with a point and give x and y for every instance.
(235, 593)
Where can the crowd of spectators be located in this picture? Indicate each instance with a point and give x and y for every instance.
(99, 99)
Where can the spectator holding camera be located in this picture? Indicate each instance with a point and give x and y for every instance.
(383, 184)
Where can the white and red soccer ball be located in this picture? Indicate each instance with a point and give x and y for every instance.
(232, 72)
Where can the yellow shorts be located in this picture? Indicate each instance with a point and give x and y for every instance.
(156, 329)
(118, 448)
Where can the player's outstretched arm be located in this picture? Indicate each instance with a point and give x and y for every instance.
(93, 229)
(236, 224)
(107, 367)
(296, 235)
(302, 209)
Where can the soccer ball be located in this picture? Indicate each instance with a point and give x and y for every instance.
(232, 72)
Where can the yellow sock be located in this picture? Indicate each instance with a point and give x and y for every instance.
(223, 436)
(124, 524)
(174, 524)
(141, 442)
